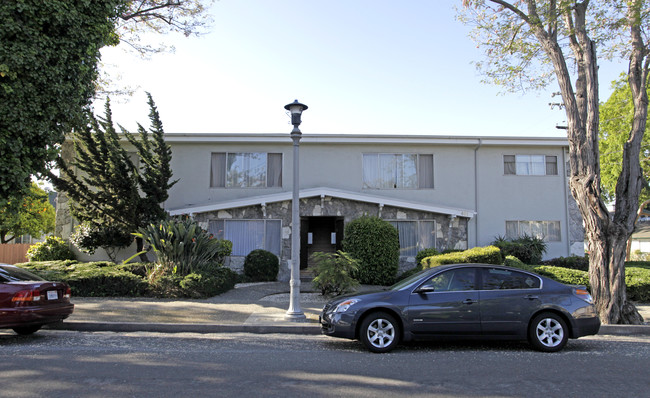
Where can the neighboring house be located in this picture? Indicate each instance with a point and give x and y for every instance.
(442, 192)
(640, 240)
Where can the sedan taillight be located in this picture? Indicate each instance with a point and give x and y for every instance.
(68, 293)
(583, 294)
(27, 296)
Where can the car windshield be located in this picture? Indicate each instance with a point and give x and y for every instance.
(407, 281)
(10, 273)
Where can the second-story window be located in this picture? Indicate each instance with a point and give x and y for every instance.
(530, 165)
(397, 171)
(246, 170)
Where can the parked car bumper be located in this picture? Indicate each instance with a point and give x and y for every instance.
(337, 325)
(26, 316)
(585, 327)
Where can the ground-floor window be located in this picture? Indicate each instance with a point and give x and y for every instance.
(549, 231)
(248, 235)
(415, 236)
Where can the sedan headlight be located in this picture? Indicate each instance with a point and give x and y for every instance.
(345, 305)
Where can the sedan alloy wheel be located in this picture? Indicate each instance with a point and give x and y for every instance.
(380, 332)
(548, 332)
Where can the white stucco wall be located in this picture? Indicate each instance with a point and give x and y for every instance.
(335, 161)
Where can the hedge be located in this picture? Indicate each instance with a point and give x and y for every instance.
(485, 255)
(99, 279)
(106, 279)
(637, 278)
(564, 275)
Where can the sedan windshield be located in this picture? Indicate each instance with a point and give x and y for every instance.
(407, 281)
(10, 273)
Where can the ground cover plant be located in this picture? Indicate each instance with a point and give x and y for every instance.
(334, 273)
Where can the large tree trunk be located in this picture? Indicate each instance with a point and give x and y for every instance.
(606, 236)
(139, 244)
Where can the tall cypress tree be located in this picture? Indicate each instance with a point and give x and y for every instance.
(109, 194)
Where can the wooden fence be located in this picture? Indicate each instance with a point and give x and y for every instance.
(13, 253)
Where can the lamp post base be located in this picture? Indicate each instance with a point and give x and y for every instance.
(295, 317)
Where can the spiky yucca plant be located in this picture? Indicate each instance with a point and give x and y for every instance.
(183, 247)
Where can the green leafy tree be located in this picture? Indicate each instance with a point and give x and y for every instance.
(31, 214)
(49, 55)
(532, 43)
(105, 187)
(188, 17)
(48, 67)
(616, 116)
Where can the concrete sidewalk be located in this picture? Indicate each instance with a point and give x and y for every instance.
(250, 308)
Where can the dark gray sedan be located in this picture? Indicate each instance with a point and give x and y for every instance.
(465, 301)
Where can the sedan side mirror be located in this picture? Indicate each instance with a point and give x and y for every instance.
(425, 289)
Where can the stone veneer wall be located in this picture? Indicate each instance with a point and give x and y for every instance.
(64, 220)
(450, 232)
(576, 228)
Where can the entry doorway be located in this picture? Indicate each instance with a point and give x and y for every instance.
(319, 234)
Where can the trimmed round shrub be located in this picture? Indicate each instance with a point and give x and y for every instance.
(206, 285)
(52, 249)
(422, 254)
(375, 243)
(261, 266)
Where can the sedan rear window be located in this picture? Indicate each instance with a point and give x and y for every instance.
(10, 273)
(494, 279)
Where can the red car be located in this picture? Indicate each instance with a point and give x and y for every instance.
(27, 301)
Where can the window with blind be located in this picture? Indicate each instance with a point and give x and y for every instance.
(245, 170)
(548, 231)
(248, 235)
(397, 171)
(528, 165)
(415, 236)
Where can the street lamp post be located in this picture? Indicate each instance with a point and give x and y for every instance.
(294, 313)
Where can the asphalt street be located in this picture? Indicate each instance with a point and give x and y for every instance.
(103, 364)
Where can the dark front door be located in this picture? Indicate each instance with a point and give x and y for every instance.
(323, 234)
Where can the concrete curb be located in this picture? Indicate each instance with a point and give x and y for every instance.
(298, 328)
(625, 330)
(312, 329)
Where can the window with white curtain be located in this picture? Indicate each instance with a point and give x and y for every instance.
(397, 171)
(548, 231)
(245, 170)
(248, 235)
(529, 165)
(414, 236)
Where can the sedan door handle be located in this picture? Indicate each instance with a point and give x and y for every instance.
(531, 297)
(470, 301)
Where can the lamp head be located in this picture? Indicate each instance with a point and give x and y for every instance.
(295, 108)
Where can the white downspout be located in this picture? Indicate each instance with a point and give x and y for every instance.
(567, 216)
(476, 199)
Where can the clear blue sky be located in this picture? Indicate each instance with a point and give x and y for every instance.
(363, 66)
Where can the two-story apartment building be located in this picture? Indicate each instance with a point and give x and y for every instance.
(442, 192)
